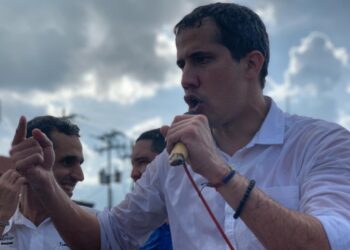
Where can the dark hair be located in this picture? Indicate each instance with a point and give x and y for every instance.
(158, 141)
(240, 30)
(47, 124)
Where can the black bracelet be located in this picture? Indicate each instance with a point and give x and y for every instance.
(244, 199)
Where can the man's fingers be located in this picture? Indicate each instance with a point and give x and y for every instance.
(10, 175)
(24, 153)
(29, 162)
(21, 131)
(164, 130)
(20, 181)
(28, 143)
(43, 140)
(47, 146)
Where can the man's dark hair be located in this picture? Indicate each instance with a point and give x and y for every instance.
(240, 30)
(47, 124)
(158, 141)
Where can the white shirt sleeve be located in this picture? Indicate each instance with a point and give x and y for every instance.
(129, 224)
(325, 190)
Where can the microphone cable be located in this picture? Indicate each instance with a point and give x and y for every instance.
(212, 216)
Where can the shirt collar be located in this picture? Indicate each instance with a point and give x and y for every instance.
(13, 220)
(19, 219)
(272, 129)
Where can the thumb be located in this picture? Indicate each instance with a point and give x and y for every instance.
(47, 147)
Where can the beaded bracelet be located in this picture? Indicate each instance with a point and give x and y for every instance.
(3, 223)
(244, 199)
(223, 181)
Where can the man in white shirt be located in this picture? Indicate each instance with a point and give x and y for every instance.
(30, 227)
(290, 186)
(147, 146)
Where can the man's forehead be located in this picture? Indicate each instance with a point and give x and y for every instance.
(207, 24)
(142, 146)
(60, 139)
(196, 39)
(66, 145)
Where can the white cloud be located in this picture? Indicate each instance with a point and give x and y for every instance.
(165, 45)
(128, 90)
(96, 30)
(344, 119)
(148, 124)
(315, 61)
(267, 13)
(314, 82)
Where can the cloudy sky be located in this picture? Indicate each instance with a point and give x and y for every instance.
(112, 65)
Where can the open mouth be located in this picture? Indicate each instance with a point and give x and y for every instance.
(68, 187)
(193, 102)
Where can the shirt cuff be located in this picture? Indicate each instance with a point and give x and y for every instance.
(337, 230)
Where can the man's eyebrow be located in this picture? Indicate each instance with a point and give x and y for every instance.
(142, 158)
(200, 53)
(194, 54)
(72, 157)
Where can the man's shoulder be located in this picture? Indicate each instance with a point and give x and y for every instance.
(306, 129)
(306, 123)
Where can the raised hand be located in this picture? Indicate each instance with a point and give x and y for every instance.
(34, 156)
(10, 186)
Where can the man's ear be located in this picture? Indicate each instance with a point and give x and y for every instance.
(254, 62)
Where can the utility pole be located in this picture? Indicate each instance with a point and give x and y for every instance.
(114, 140)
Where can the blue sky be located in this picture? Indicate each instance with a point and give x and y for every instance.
(113, 64)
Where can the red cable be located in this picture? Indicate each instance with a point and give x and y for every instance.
(208, 208)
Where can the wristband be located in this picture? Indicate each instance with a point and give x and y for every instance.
(244, 199)
(223, 181)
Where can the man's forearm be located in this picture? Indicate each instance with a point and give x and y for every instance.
(275, 226)
(78, 228)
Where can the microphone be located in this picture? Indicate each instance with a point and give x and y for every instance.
(179, 154)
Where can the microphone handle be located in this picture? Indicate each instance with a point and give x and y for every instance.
(178, 155)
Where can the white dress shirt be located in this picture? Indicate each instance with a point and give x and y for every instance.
(302, 163)
(22, 234)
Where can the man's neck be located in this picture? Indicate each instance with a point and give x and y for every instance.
(234, 136)
(31, 207)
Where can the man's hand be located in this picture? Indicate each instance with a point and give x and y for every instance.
(194, 132)
(34, 156)
(10, 186)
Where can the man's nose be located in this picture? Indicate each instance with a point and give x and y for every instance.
(78, 172)
(135, 174)
(189, 77)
